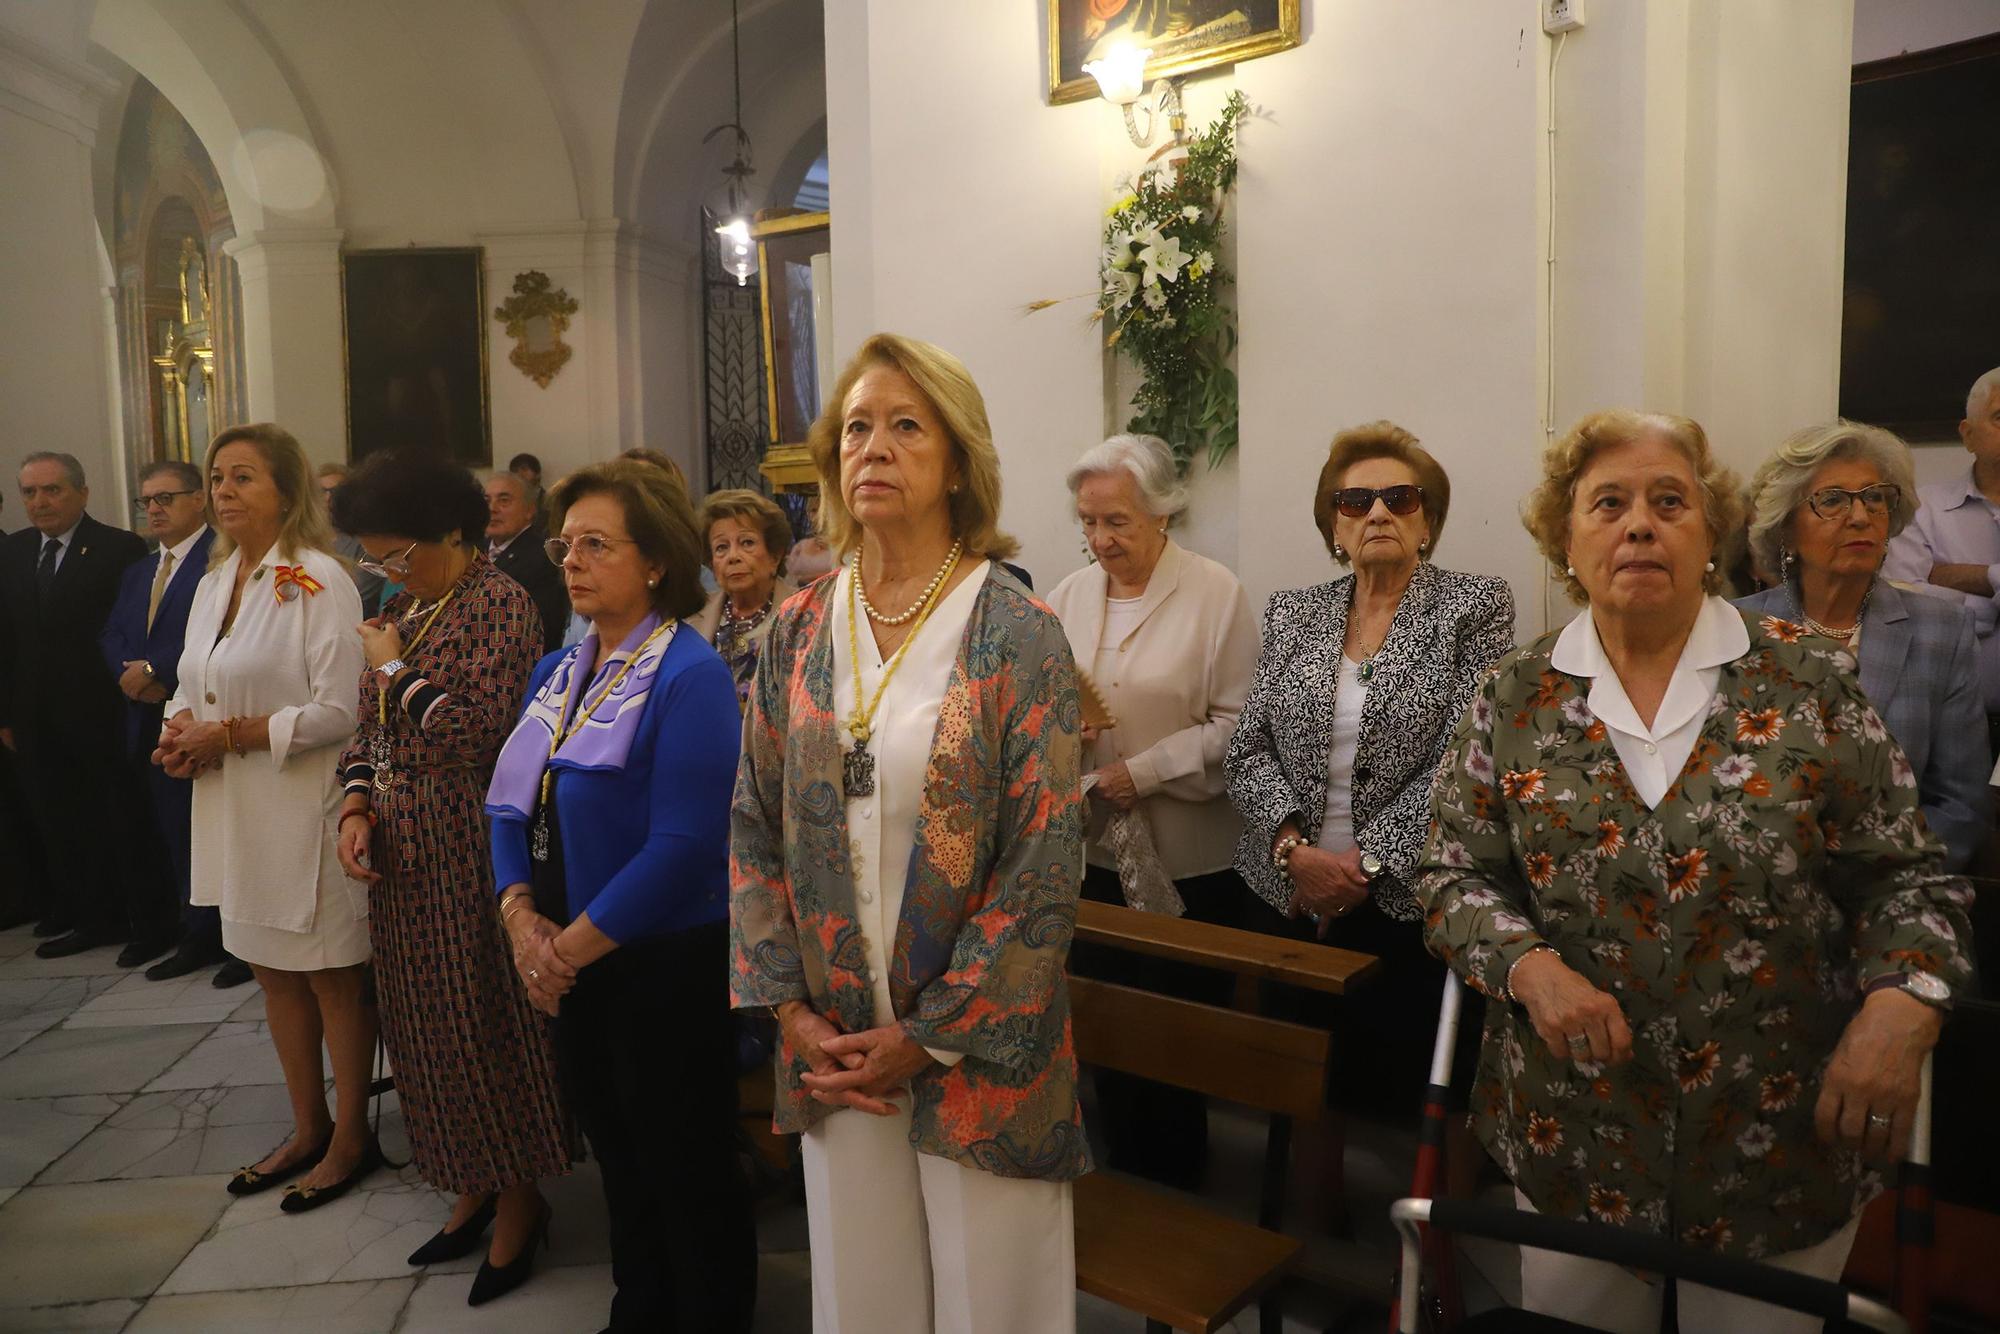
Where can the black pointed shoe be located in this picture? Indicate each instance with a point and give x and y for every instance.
(249, 1181)
(304, 1199)
(455, 1243)
(493, 1281)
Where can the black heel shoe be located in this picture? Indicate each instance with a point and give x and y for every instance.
(249, 1181)
(455, 1243)
(499, 1280)
(304, 1199)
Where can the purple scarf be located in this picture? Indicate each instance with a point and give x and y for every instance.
(605, 739)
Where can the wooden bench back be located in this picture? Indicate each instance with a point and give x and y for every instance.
(1264, 1063)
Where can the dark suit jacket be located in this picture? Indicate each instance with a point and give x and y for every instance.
(528, 565)
(126, 638)
(52, 678)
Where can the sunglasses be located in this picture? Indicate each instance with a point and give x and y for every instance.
(1356, 501)
(1837, 502)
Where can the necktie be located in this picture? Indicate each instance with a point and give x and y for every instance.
(45, 572)
(160, 578)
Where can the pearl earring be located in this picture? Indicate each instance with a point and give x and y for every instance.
(652, 583)
(1786, 564)
(1710, 567)
(1570, 570)
(1340, 553)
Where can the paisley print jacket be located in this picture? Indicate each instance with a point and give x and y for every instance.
(1734, 923)
(989, 904)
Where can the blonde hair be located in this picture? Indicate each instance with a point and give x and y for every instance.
(1546, 512)
(944, 381)
(1783, 480)
(303, 524)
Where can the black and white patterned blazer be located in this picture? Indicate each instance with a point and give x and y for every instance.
(1448, 630)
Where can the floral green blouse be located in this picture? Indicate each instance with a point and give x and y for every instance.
(1734, 923)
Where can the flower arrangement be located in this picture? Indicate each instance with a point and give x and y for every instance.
(1161, 295)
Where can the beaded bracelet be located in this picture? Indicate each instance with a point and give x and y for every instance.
(1281, 855)
(1525, 955)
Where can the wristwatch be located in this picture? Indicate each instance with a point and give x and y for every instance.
(390, 668)
(1371, 865)
(1926, 987)
(147, 668)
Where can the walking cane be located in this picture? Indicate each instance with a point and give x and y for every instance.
(1437, 1253)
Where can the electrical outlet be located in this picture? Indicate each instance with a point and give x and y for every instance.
(1561, 15)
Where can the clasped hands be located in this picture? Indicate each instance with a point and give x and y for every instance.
(864, 1070)
(538, 958)
(189, 749)
(1326, 885)
(1868, 1096)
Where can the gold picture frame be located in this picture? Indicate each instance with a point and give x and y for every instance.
(536, 318)
(1239, 30)
(787, 462)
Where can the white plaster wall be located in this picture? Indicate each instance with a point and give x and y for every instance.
(957, 199)
(54, 364)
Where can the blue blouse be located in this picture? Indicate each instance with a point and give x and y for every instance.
(646, 848)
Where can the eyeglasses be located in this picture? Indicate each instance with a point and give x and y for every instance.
(591, 546)
(1837, 502)
(161, 499)
(390, 567)
(1356, 501)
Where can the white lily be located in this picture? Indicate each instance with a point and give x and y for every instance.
(1163, 259)
(1124, 284)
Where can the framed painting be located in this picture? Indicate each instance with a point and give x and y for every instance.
(792, 258)
(1183, 35)
(1923, 275)
(414, 343)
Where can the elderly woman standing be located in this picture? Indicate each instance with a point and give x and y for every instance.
(448, 664)
(1168, 638)
(1357, 689)
(907, 845)
(1680, 854)
(1826, 505)
(747, 538)
(610, 806)
(269, 680)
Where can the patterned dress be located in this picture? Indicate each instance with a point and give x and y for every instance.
(1733, 922)
(474, 1068)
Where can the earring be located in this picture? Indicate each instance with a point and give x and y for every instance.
(1786, 562)
(954, 488)
(1340, 553)
(1423, 546)
(1570, 570)
(1710, 567)
(652, 583)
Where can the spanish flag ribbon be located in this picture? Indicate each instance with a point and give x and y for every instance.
(288, 581)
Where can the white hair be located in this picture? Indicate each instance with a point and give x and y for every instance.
(1147, 460)
(1781, 484)
(1982, 392)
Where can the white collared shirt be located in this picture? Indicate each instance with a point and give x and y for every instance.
(1654, 756)
(180, 549)
(62, 541)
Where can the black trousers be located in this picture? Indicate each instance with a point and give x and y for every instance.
(1154, 1130)
(81, 795)
(24, 873)
(647, 1053)
(157, 906)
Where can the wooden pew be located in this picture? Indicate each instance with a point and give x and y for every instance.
(1178, 1263)
(1248, 954)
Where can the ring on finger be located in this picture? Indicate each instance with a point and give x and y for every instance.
(534, 974)
(1878, 1120)
(1579, 1044)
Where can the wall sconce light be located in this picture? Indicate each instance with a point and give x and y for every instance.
(1121, 78)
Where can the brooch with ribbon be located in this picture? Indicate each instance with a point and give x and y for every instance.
(288, 581)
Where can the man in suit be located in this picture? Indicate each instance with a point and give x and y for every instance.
(59, 707)
(514, 538)
(142, 643)
(24, 877)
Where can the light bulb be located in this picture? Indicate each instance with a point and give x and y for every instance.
(739, 251)
(1121, 74)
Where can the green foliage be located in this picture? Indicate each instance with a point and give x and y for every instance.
(1162, 298)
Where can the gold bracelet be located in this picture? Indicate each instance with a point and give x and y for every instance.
(507, 904)
(229, 734)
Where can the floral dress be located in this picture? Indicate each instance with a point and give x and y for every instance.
(1734, 923)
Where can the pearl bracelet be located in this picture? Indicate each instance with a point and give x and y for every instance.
(1525, 956)
(1281, 855)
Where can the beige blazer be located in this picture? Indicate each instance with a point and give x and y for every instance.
(705, 621)
(1176, 692)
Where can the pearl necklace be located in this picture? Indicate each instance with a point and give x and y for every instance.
(923, 598)
(1827, 631)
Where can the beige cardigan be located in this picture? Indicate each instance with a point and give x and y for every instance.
(1176, 693)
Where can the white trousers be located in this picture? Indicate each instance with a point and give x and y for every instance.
(1611, 1297)
(908, 1243)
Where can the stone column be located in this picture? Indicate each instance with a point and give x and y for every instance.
(294, 363)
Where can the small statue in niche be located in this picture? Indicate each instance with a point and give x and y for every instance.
(536, 317)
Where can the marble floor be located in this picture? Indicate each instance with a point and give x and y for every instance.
(125, 1105)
